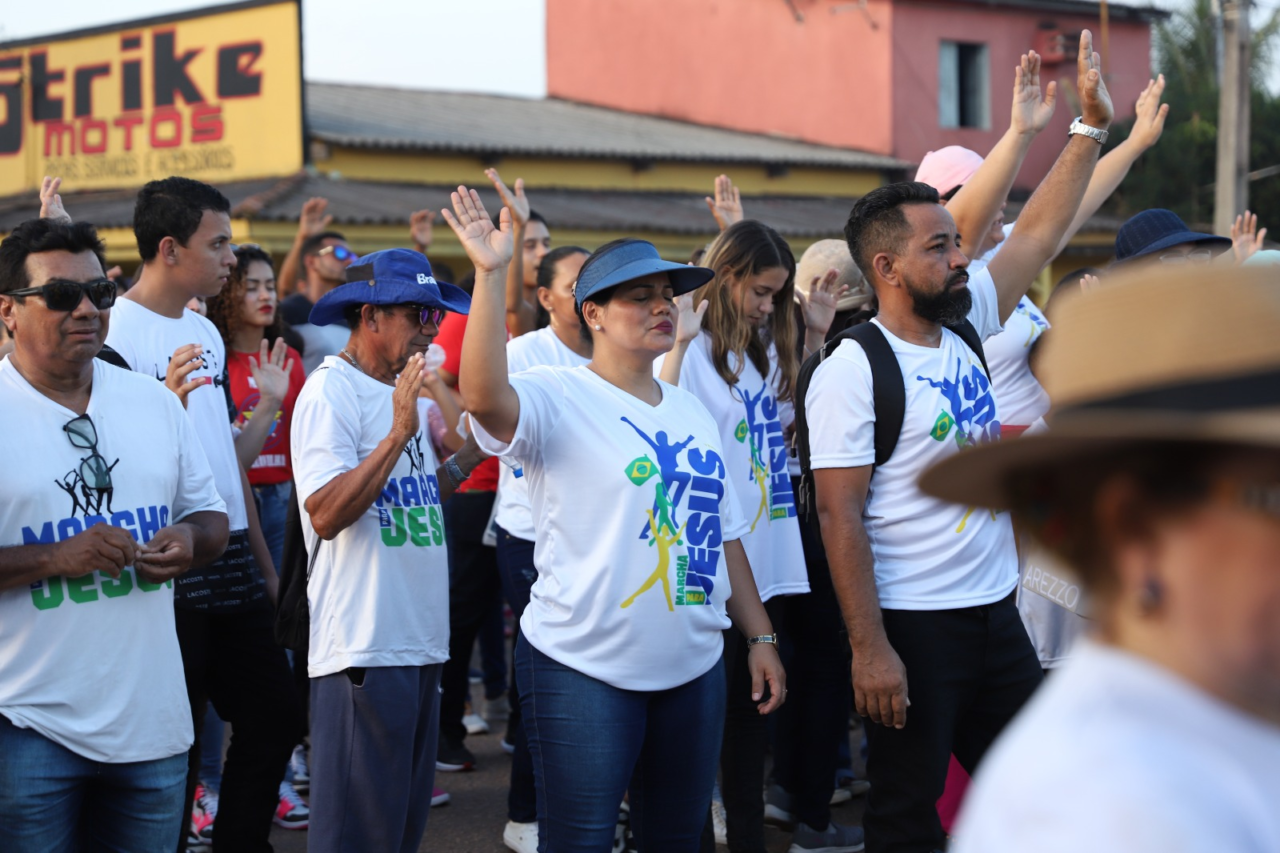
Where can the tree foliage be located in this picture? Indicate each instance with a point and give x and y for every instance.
(1179, 172)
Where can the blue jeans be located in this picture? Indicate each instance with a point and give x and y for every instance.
(55, 801)
(591, 743)
(515, 565)
(273, 505)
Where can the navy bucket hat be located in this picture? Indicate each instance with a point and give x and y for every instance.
(627, 260)
(389, 277)
(1156, 230)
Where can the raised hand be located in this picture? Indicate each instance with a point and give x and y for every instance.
(404, 400)
(1031, 112)
(1150, 114)
(186, 359)
(313, 220)
(1246, 239)
(688, 320)
(270, 371)
(489, 248)
(726, 207)
(1090, 283)
(515, 202)
(1095, 100)
(50, 202)
(420, 228)
(819, 305)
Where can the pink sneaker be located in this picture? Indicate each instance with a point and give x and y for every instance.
(439, 797)
(292, 812)
(203, 810)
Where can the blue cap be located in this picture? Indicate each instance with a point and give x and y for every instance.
(628, 260)
(1156, 230)
(389, 277)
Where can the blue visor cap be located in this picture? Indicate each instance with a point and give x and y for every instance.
(1157, 229)
(389, 277)
(630, 260)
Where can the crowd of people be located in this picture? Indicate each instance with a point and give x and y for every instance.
(730, 504)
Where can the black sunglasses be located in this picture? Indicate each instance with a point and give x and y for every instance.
(94, 470)
(63, 295)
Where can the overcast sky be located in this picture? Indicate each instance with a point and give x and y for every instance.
(429, 44)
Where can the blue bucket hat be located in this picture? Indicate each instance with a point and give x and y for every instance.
(628, 260)
(1156, 230)
(389, 277)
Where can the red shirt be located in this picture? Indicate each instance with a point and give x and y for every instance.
(273, 464)
(485, 476)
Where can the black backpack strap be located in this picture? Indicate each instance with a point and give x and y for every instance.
(887, 388)
(967, 333)
(889, 401)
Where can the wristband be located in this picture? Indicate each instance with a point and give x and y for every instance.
(763, 638)
(454, 471)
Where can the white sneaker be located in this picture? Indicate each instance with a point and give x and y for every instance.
(521, 837)
(718, 820)
(301, 773)
(475, 724)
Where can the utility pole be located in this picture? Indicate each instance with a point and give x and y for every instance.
(1231, 194)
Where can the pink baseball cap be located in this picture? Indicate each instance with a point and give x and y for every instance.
(948, 168)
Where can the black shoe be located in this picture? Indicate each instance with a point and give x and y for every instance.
(452, 756)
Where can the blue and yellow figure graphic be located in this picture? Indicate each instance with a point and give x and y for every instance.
(971, 407)
(664, 537)
(674, 481)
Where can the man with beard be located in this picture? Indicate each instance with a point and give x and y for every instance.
(926, 587)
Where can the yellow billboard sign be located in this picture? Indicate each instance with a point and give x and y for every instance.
(214, 95)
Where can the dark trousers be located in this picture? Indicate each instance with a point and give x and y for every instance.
(474, 591)
(968, 672)
(232, 661)
(742, 753)
(810, 725)
(373, 758)
(515, 563)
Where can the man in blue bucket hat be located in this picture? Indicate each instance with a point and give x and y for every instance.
(369, 489)
(1160, 235)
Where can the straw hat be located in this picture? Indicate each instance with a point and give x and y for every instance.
(1189, 355)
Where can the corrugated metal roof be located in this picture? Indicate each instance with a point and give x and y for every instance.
(370, 116)
(372, 203)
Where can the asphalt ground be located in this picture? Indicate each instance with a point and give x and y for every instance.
(473, 820)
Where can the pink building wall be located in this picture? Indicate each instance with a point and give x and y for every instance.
(744, 64)
(919, 28)
(841, 76)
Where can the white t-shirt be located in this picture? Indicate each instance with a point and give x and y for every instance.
(1117, 755)
(929, 554)
(1022, 399)
(147, 340)
(632, 512)
(379, 590)
(92, 663)
(514, 513)
(749, 418)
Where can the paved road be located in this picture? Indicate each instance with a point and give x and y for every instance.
(472, 822)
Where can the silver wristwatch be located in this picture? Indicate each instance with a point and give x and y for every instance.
(1078, 126)
(763, 638)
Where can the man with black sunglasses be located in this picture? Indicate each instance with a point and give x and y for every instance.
(224, 610)
(107, 500)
